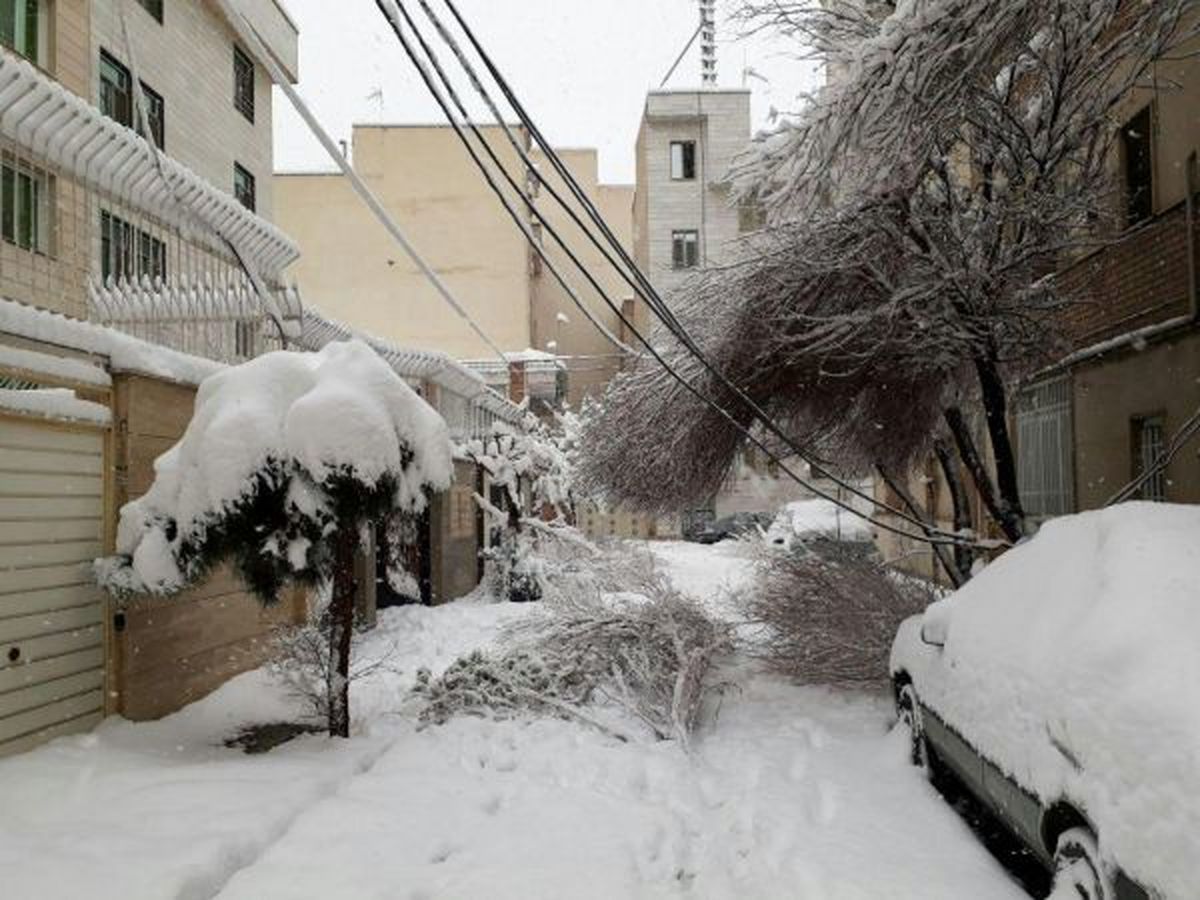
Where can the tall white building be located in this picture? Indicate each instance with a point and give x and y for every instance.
(684, 217)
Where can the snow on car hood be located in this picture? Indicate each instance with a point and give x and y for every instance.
(1073, 662)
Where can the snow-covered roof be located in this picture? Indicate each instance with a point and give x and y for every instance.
(50, 122)
(426, 365)
(122, 352)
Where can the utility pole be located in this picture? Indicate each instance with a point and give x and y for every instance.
(708, 43)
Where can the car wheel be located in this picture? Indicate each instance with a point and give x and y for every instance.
(1079, 872)
(909, 711)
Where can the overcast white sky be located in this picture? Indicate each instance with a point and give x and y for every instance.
(581, 67)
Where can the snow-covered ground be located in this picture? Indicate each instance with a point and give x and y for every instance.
(791, 793)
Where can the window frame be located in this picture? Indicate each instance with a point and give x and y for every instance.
(37, 49)
(154, 8)
(679, 239)
(26, 207)
(244, 70)
(687, 166)
(1045, 430)
(156, 125)
(104, 101)
(1137, 159)
(128, 252)
(1143, 454)
(240, 172)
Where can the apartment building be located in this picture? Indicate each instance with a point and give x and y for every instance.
(354, 271)
(684, 216)
(99, 225)
(1104, 414)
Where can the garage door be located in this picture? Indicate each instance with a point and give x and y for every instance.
(51, 625)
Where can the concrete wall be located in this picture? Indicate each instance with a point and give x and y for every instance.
(167, 653)
(188, 59)
(719, 123)
(1161, 379)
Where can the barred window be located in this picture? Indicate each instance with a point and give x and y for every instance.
(685, 249)
(129, 253)
(1149, 444)
(244, 187)
(1045, 449)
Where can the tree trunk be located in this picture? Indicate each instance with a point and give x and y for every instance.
(980, 475)
(341, 630)
(957, 575)
(964, 556)
(995, 408)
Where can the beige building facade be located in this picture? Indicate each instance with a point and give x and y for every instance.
(353, 271)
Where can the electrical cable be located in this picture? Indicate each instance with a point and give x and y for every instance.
(642, 286)
(504, 201)
(248, 33)
(393, 16)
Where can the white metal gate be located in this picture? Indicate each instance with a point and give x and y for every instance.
(51, 612)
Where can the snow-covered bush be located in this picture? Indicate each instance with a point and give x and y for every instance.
(650, 657)
(532, 458)
(828, 612)
(286, 458)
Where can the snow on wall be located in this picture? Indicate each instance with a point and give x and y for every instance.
(125, 353)
(57, 403)
(54, 366)
(342, 408)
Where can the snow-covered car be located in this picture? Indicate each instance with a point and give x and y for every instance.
(806, 520)
(1061, 686)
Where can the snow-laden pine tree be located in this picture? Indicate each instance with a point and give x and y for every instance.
(915, 211)
(286, 459)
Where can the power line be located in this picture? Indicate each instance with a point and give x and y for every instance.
(393, 12)
(642, 286)
(496, 189)
(250, 35)
(638, 282)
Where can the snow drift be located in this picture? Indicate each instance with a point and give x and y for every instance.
(283, 420)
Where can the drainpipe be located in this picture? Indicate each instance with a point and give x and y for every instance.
(1193, 286)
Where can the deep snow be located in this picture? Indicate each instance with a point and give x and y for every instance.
(790, 793)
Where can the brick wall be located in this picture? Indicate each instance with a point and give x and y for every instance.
(1140, 281)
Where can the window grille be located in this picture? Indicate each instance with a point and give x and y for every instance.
(1149, 444)
(1045, 449)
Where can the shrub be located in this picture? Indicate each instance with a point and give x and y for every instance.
(828, 613)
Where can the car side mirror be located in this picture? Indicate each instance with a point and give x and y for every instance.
(933, 631)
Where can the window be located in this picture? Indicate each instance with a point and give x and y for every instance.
(23, 28)
(155, 116)
(25, 206)
(685, 249)
(243, 83)
(243, 187)
(683, 160)
(1149, 443)
(1045, 449)
(154, 7)
(116, 99)
(128, 253)
(116, 93)
(1137, 143)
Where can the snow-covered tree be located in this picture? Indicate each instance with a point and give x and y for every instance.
(286, 459)
(915, 211)
(533, 458)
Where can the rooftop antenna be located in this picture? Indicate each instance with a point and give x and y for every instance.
(708, 43)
